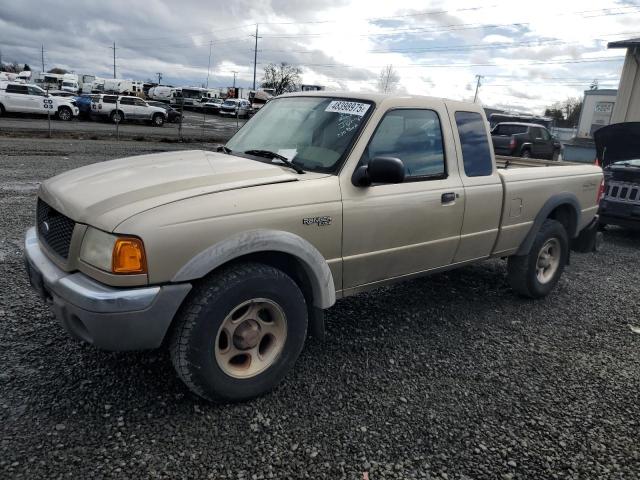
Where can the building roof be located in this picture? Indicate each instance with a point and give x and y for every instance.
(632, 42)
(602, 91)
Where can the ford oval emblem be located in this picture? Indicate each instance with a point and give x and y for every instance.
(45, 227)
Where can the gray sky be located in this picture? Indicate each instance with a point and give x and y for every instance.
(530, 53)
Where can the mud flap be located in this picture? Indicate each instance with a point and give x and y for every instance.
(316, 323)
(589, 240)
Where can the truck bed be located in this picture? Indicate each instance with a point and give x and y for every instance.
(506, 162)
(527, 187)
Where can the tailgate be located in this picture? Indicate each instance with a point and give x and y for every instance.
(501, 143)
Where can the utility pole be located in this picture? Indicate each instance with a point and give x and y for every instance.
(255, 57)
(114, 59)
(209, 65)
(159, 77)
(234, 78)
(42, 51)
(475, 97)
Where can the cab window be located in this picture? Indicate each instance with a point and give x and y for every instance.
(476, 154)
(413, 136)
(36, 91)
(546, 136)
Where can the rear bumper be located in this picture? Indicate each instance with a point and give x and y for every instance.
(107, 317)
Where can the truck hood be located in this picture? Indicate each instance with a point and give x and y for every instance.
(105, 194)
(617, 142)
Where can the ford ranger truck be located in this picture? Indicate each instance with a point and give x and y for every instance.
(229, 257)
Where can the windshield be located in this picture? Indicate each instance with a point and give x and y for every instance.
(230, 103)
(313, 132)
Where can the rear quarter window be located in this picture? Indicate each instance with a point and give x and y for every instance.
(510, 129)
(476, 154)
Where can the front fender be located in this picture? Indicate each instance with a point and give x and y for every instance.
(255, 241)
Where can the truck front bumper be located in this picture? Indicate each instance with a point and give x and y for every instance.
(107, 317)
(623, 214)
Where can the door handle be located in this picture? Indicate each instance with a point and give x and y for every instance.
(448, 197)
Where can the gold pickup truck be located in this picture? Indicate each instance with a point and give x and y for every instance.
(230, 257)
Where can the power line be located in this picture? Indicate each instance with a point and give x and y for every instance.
(433, 65)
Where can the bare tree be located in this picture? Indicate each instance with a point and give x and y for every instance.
(388, 80)
(282, 78)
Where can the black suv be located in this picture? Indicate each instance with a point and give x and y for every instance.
(618, 152)
(527, 140)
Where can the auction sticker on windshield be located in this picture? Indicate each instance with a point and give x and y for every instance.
(351, 108)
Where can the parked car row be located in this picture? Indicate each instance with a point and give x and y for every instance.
(234, 107)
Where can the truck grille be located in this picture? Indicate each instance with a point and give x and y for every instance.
(626, 192)
(54, 229)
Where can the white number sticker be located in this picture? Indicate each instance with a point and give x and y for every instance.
(350, 108)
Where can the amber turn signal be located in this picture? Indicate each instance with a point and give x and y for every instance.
(128, 256)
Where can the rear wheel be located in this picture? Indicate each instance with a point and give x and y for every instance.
(65, 114)
(526, 154)
(117, 116)
(2, 110)
(534, 275)
(239, 333)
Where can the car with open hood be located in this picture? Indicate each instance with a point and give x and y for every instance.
(618, 152)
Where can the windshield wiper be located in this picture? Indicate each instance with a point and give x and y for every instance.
(274, 155)
(224, 149)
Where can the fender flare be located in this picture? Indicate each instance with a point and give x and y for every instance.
(255, 241)
(564, 198)
(525, 146)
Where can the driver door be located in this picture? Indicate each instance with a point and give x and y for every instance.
(395, 230)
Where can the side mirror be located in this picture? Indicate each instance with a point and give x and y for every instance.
(379, 170)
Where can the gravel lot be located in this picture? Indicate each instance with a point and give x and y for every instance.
(446, 377)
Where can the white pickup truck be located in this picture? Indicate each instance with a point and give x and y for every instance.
(25, 98)
(230, 256)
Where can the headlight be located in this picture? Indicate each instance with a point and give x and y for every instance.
(113, 253)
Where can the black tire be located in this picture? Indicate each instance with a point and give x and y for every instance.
(157, 120)
(114, 116)
(526, 153)
(522, 269)
(2, 110)
(65, 114)
(196, 329)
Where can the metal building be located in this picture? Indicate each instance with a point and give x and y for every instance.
(627, 107)
(597, 109)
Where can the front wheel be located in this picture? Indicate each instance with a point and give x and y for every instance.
(239, 333)
(526, 154)
(534, 275)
